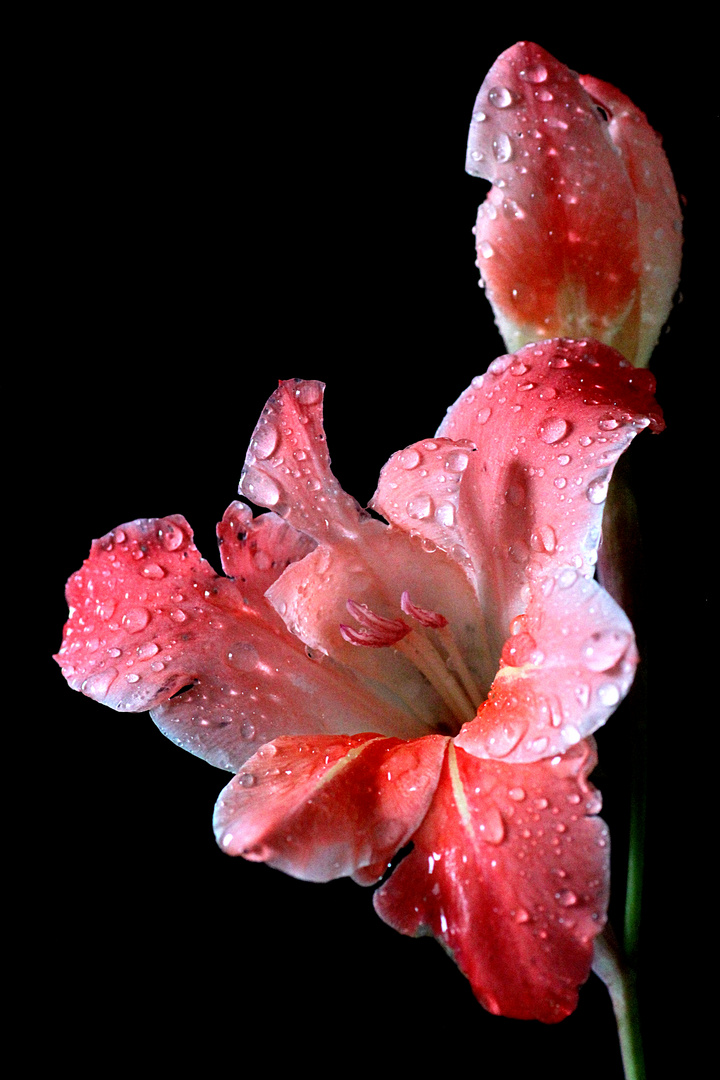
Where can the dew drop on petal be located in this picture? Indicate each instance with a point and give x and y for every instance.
(603, 649)
(420, 507)
(502, 148)
(261, 488)
(597, 491)
(566, 898)
(171, 537)
(537, 73)
(97, 685)
(553, 429)
(492, 827)
(135, 619)
(484, 415)
(500, 97)
(265, 440)
(608, 694)
(243, 656)
(409, 459)
(309, 393)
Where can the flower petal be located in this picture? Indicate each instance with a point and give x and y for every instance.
(329, 807)
(509, 871)
(568, 664)
(287, 467)
(549, 424)
(150, 618)
(557, 237)
(658, 209)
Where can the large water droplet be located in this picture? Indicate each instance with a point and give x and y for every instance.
(603, 649)
(171, 536)
(597, 490)
(409, 459)
(486, 250)
(135, 619)
(96, 686)
(500, 97)
(261, 488)
(492, 827)
(147, 650)
(502, 148)
(537, 73)
(420, 507)
(457, 461)
(608, 694)
(484, 415)
(566, 898)
(265, 440)
(553, 429)
(309, 393)
(506, 738)
(242, 655)
(152, 570)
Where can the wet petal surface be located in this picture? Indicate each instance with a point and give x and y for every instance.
(509, 870)
(329, 807)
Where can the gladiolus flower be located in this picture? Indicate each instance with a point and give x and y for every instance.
(580, 233)
(359, 678)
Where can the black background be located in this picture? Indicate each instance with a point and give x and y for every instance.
(219, 205)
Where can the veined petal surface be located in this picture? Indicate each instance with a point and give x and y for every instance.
(509, 871)
(329, 807)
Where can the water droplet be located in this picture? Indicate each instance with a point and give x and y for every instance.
(247, 730)
(603, 649)
(132, 678)
(518, 368)
(502, 148)
(571, 735)
(517, 794)
(135, 619)
(309, 393)
(486, 250)
(409, 459)
(519, 650)
(609, 424)
(553, 429)
(608, 694)
(563, 459)
(543, 95)
(96, 686)
(492, 827)
(420, 507)
(566, 898)
(246, 780)
(478, 117)
(597, 490)
(147, 650)
(566, 578)
(171, 536)
(178, 615)
(157, 665)
(484, 415)
(537, 73)
(506, 738)
(445, 514)
(265, 440)
(457, 461)
(243, 656)
(261, 488)
(500, 97)
(560, 482)
(521, 915)
(152, 570)
(106, 609)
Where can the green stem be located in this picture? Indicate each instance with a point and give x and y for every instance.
(620, 981)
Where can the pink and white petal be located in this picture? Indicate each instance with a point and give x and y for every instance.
(255, 551)
(557, 235)
(509, 871)
(568, 664)
(419, 491)
(287, 467)
(150, 618)
(658, 209)
(375, 570)
(549, 423)
(132, 604)
(329, 807)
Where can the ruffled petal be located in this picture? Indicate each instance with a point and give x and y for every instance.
(150, 618)
(549, 423)
(569, 662)
(509, 871)
(658, 210)
(557, 237)
(287, 467)
(330, 807)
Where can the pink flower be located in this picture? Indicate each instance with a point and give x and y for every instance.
(358, 676)
(580, 233)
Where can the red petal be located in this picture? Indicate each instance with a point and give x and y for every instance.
(324, 808)
(658, 210)
(149, 617)
(557, 236)
(287, 467)
(549, 424)
(510, 873)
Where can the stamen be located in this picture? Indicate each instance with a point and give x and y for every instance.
(426, 658)
(377, 632)
(430, 619)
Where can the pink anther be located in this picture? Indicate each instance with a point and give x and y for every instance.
(377, 632)
(433, 620)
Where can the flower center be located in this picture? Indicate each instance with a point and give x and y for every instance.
(429, 645)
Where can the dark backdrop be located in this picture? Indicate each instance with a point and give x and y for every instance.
(223, 205)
